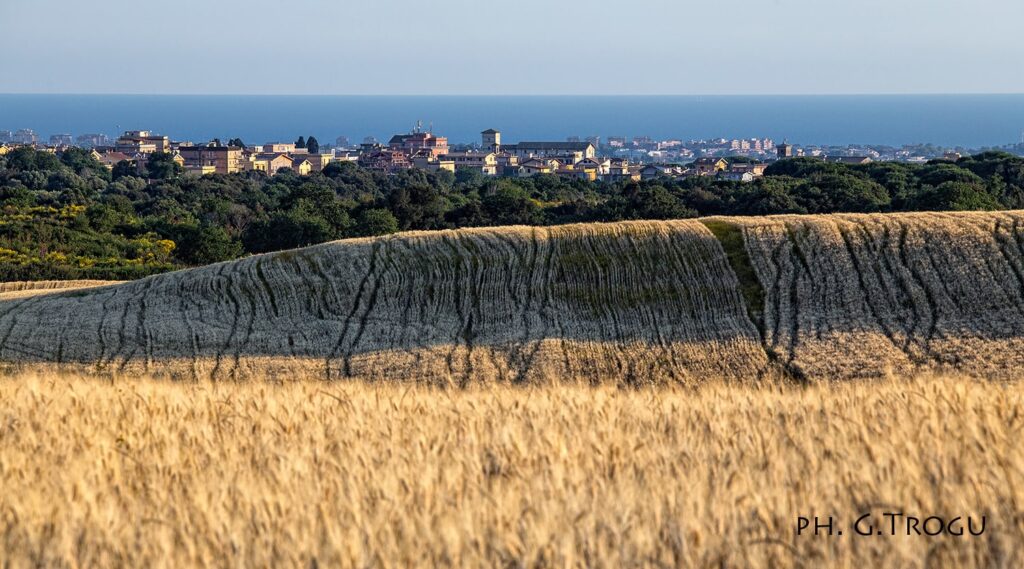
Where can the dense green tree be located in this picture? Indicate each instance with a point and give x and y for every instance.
(942, 172)
(956, 196)
(836, 191)
(301, 142)
(324, 202)
(375, 221)
(205, 244)
(769, 196)
(312, 145)
(17, 197)
(647, 202)
(511, 205)
(161, 166)
(899, 179)
(802, 168)
(82, 162)
(123, 169)
(26, 159)
(469, 177)
(418, 207)
(298, 227)
(469, 214)
(103, 218)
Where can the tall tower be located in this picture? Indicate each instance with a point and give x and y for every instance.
(491, 140)
(785, 150)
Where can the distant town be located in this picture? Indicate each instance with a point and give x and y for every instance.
(615, 158)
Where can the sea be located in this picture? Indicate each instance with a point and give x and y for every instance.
(969, 121)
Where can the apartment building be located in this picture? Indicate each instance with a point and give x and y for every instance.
(141, 142)
(485, 162)
(416, 141)
(223, 159)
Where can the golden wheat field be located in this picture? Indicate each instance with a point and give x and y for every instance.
(144, 473)
(639, 394)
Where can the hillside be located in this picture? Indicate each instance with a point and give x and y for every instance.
(821, 297)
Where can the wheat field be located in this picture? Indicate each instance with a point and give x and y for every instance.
(142, 473)
(635, 303)
(640, 394)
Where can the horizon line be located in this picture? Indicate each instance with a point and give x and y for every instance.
(592, 95)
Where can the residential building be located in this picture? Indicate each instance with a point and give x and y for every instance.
(741, 145)
(418, 140)
(319, 161)
(342, 142)
(110, 159)
(602, 166)
(6, 136)
(199, 170)
(61, 140)
(485, 162)
(425, 161)
(141, 142)
(709, 166)
(25, 136)
(755, 169)
(278, 148)
(224, 159)
(619, 170)
(301, 165)
(645, 142)
(92, 140)
(508, 164)
(368, 147)
(269, 162)
(385, 160)
(738, 176)
(569, 171)
(652, 171)
(569, 151)
(537, 166)
(346, 155)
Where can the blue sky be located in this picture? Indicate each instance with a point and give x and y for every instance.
(519, 47)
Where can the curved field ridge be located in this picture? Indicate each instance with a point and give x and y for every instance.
(632, 303)
(861, 295)
(833, 297)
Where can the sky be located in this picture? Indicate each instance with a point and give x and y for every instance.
(524, 47)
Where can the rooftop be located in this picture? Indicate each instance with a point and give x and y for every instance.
(554, 145)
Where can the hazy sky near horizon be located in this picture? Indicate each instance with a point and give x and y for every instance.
(535, 47)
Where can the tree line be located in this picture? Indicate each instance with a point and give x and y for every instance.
(68, 216)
